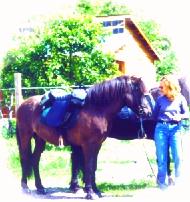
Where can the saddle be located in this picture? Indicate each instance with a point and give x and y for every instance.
(126, 113)
(60, 108)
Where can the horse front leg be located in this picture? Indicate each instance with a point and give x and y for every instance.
(77, 164)
(39, 148)
(90, 152)
(94, 186)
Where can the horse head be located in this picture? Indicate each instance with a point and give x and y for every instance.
(137, 97)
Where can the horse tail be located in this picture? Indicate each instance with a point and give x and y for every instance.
(25, 155)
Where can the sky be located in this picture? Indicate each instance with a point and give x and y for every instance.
(173, 17)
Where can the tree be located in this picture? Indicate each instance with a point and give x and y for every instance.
(60, 52)
(150, 28)
(162, 45)
(101, 8)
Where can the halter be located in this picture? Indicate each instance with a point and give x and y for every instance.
(140, 111)
(151, 102)
(134, 90)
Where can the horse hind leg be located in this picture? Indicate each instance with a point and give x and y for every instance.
(25, 153)
(77, 164)
(38, 149)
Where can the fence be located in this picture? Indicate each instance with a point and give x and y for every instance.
(15, 95)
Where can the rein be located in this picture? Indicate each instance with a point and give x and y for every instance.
(142, 135)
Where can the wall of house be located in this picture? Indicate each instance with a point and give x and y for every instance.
(130, 57)
(137, 62)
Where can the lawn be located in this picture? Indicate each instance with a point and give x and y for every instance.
(122, 166)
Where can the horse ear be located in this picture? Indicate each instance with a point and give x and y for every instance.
(143, 84)
(135, 78)
(138, 78)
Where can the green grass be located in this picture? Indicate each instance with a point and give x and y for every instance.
(123, 189)
(122, 166)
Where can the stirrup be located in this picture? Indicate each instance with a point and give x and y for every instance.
(61, 141)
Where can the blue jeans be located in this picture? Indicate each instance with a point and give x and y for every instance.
(167, 136)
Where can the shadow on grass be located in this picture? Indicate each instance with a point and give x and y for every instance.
(108, 190)
(132, 186)
(123, 189)
(55, 193)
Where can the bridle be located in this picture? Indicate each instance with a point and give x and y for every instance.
(135, 88)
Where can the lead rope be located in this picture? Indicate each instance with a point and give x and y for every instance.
(143, 136)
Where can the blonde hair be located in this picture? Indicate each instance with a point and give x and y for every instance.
(172, 86)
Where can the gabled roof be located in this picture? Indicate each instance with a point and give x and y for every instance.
(137, 34)
(141, 39)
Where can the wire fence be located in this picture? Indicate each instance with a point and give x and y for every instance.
(7, 104)
(7, 98)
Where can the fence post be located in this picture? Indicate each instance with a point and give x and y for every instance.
(18, 90)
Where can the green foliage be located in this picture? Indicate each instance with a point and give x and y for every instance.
(167, 65)
(162, 45)
(102, 8)
(61, 52)
(8, 128)
(109, 8)
(120, 189)
(186, 125)
(64, 52)
(86, 7)
(150, 28)
(51, 147)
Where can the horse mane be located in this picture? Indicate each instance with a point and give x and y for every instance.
(109, 90)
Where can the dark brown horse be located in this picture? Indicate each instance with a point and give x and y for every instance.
(122, 129)
(127, 127)
(93, 125)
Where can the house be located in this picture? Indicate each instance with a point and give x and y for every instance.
(133, 52)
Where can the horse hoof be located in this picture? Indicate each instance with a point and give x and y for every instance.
(99, 194)
(89, 197)
(26, 191)
(41, 191)
(74, 188)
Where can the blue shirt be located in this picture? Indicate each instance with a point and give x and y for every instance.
(166, 110)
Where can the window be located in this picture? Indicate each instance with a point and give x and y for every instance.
(117, 26)
(118, 30)
(106, 23)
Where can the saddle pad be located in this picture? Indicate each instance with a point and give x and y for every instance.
(126, 113)
(55, 115)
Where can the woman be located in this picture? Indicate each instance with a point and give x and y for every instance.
(170, 108)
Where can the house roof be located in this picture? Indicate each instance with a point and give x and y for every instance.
(141, 39)
(136, 33)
